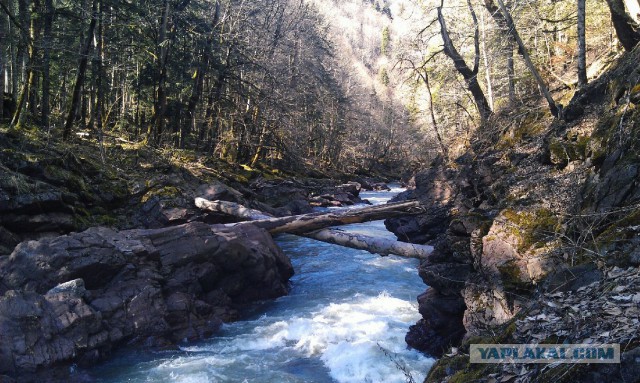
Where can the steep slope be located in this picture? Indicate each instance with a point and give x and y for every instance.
(535, 211)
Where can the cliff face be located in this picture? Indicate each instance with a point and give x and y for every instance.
(536, 207)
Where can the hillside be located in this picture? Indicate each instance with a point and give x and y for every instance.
(536, 236)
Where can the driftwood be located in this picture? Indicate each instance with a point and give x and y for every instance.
(357, 241)
(304, 223)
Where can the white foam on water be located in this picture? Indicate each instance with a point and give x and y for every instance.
(351, 340)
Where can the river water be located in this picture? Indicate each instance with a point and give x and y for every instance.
(344, 320)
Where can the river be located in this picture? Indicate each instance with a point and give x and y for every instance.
(344, 320)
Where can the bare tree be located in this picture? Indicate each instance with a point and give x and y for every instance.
(3, 38)
(470, 75)
(46, 64)
(82, 69)
(527, 59)
(582, 45)
(627, 29)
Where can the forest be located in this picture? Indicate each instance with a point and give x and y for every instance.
(353, 85)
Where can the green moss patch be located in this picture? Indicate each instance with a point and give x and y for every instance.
(163, 192)
(511, 277)
(532, 229)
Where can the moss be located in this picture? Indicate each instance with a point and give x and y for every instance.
(81, 218)
(565, 151)
(532, 125)
(581, 145)
(166, 191)
(447, 366)
(635, 92)
(613, 242)
(532, 229)
(557, 152)
(501, 334)
(459, 370)
(612, 233)
(472, 374)
(106, 220)
(553, 339)
(65, 177)
(609, 136)
(511, 277)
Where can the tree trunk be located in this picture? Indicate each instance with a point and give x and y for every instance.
(82, 69)
(46, 63)
(487, 63)
(260, 147)
(34, 59)
(161, 93)
(310, 222)
(470, 75)
(508, 51)
(314, 221)
(99, 108)
(525, 55)
(627, 29)
(355, 241)
(3, 38)
(511, 72)
(26, 61)
(203, 65)
(582, 45)
(425, 78)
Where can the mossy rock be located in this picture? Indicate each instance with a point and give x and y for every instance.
(447, 366)
(619, 243)
(458, 369)
(499, 335)
(163, 192)
(63, 177)
(532, 228)
(532, 125)
(610, 136)
(612, 232)
(512, 278)
(564, 151)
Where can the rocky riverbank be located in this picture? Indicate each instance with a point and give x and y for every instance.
(97, 255)
(76, 297)
(539, 213)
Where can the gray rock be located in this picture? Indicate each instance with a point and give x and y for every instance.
(219, 191)
(74, 287)
(76, 297)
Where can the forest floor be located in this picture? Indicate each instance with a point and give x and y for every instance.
(51, 187)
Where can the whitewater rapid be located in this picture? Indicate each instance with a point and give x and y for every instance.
(344, 320)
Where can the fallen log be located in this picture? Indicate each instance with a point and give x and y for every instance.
(357, 241)
(304, 223)
(374, 245)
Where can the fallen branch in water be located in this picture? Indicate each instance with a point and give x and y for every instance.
(297, 225)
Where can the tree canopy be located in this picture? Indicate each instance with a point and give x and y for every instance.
(355, 85)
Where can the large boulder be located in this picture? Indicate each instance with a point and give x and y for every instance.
(441, 323)
(74, 298)
(437, 192)
(282, 197)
